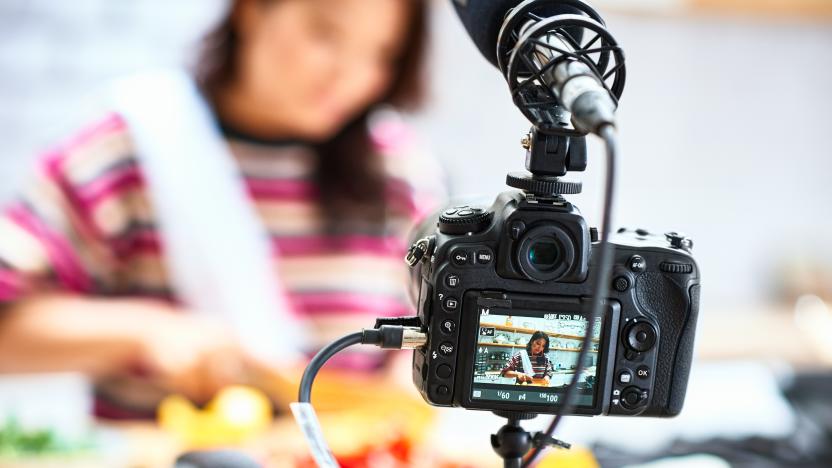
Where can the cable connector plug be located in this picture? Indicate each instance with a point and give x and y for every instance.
(394, 337)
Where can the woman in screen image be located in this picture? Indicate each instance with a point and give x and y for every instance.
(531, 365)
(101, 271)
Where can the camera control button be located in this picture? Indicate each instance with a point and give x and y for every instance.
(464, 220)
(679, 241)
(443, 390)
(625, 377)
(450, 211)
(451, 304)
(640, 336)
(643, 372)
(484, 257)
(642, 232)
(676, 268)
(444, 371)
(460, 257)
(633, 398)
(621, 284)
(446, 348)
(448, 326)
(637, 264)
(452, 281)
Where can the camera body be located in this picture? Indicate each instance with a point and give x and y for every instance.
(504, 294)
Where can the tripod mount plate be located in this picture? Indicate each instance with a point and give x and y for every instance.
(542, 185)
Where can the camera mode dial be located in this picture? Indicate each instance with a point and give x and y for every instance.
(464, 219)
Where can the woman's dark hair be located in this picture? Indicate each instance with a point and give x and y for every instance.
(536, 336)
(349, 176)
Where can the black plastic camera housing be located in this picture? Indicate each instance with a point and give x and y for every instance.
(528, 259)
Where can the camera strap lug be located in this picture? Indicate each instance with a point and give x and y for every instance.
(421, 248)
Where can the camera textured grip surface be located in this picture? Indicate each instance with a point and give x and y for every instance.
(684, 357)
(668, 304)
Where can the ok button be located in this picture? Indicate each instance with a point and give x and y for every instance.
(643, 372)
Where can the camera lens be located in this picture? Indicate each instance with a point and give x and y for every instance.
(545, 253)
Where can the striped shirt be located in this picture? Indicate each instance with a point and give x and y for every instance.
(541, 366)
(85, 225)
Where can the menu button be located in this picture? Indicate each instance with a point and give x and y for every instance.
(484, 257)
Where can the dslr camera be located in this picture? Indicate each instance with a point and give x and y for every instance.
(504, 291)
(507, 293)
(492, 283)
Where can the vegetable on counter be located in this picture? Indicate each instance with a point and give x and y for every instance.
(17, 441)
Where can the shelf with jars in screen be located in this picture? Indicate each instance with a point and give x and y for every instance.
(506, 347)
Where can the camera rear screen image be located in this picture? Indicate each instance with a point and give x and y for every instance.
(530, 357)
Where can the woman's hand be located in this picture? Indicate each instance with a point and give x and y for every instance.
(189, 354)
(196, 356)
(183, 352)
(525, 378)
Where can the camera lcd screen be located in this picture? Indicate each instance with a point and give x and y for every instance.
(530, 357)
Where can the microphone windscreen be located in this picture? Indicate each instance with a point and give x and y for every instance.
(483, 19)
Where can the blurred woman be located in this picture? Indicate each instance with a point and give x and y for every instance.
(86, 278)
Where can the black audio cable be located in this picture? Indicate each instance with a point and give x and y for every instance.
(388, 335)
(385, 336)
(602, 282)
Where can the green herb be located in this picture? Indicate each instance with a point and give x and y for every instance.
(17, 441)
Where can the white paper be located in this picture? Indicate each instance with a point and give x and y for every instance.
(307, 419)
